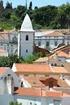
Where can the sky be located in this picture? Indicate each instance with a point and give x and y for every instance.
(38, 3)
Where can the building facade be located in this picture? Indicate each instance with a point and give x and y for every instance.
(22, 42)
(51, 39)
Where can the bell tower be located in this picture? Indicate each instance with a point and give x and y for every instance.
(26, 38)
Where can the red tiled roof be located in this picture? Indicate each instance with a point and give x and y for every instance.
(55, 33)
(58, 69)
(62, 54)
(39, 68)
(38, 92)
(29, 91)
(33, 68)
(2, 70)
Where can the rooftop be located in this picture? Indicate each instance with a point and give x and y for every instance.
(38, 69)
(32, 68)
(38, 92)
(2, 70)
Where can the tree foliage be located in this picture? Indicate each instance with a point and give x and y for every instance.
(14, 103)
(1, 8)
(8, 61)
(30, 6)
(42, 17)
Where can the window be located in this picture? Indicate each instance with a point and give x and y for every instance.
(30, 103)
(56, 43)
(39, 43)
(21, 84)
(9, 74)
(27, 38)
(14, 40)
(55, 64)
(57, 102)
(35, 104)
(26, 50)
(47, 43)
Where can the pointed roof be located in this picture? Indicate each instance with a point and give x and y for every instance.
(26, 24)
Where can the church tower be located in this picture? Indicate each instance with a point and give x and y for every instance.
(26, 38)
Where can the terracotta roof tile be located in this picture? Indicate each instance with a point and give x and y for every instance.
(62, 54)
(35, 81)
(55, 33)
(29, 91)
(38, 92)
(2, 70)
(39, 69)
(33, 68)
(58, 69)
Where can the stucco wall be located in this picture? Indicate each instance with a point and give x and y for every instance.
(66, 101)
(6, 99)
(26, 45)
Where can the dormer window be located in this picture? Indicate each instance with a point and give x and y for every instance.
(27, 38)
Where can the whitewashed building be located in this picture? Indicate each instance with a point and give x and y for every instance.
(51, 39)
(28, 96)
(26, 38)
(22, 42)
(8, 43)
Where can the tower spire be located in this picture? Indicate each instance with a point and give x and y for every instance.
(26, 5)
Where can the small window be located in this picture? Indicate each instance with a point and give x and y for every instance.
(47, 44)
(55, 64)
(30, 103)
(56, 43)
(14, 40)
(27, 38)
(35, 104)
(26, 50)
(21, 84)
(52, 64)
(9, 74)
(39, 43)
(57, 102)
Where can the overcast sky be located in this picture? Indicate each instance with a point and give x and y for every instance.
(38, 3)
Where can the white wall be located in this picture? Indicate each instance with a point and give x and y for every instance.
(51, 41)
(26, 45)
(25, 100)
(6, 99)
(2, 86)
(66, 101)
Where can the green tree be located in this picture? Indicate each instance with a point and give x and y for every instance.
(8, 61)
(45, 15)
(30, 6)
(1, 8)
(20, 11)
(14, 103)
(8, 5)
